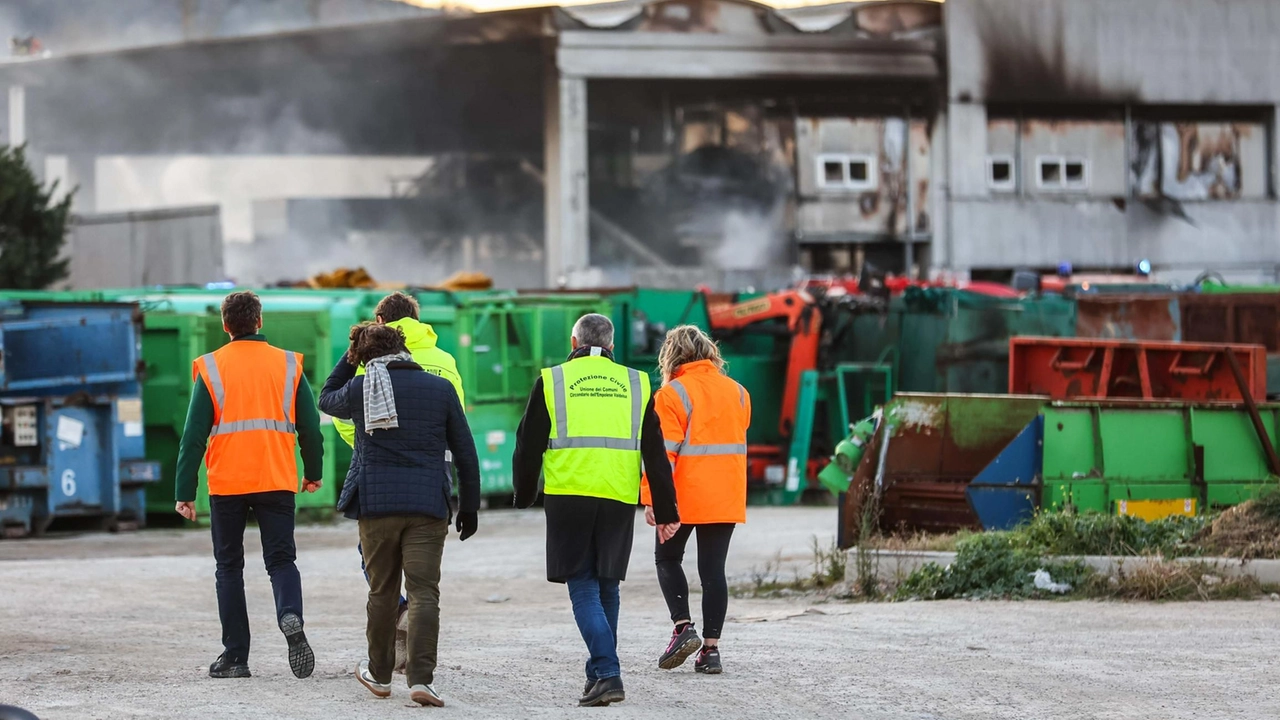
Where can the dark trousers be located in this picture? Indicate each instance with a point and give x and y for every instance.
(595, 608)
(412, 545)
(713, 549)
(228, 515)
(404, 602)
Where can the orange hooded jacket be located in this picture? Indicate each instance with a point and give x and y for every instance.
(705, 416)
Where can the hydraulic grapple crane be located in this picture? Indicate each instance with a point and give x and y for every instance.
(793, 314)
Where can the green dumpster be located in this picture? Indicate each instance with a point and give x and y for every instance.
(501, 341)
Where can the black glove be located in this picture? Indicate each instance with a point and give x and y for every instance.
(466, 524)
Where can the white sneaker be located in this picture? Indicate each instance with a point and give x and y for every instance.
(382, 690)
(425, 695)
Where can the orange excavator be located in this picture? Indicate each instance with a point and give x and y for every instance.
(793, 313)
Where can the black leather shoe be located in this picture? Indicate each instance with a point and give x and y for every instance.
(224, 668)
(604, 692)
(587, 690)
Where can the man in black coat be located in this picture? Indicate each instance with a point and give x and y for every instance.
(398, 489)
(592, 453)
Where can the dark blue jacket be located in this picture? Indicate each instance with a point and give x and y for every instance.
(402, 471)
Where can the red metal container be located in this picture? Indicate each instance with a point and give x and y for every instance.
(1066, 368)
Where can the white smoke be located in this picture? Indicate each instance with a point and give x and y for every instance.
(749, 241)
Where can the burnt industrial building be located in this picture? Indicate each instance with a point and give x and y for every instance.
(679, 142)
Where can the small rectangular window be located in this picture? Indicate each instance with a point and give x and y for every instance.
(1050, 172)
(1074, 173)
(1059, 173)
(1000, 173)
(862, 172)
(833, 173)
(845, 172)
(858, 171)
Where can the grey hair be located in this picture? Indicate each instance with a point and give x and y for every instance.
(594, 330)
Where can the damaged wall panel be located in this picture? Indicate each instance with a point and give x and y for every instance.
(1227, 237)
(1199, 160)
(854, 181)
(1152, 51)
(1056, 157)
(1002, 155)
(1073, 156)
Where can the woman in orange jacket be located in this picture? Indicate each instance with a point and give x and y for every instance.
(704, 418)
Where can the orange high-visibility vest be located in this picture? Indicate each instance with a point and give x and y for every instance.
(252, 442)
(704, 417)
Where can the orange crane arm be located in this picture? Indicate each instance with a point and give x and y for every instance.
(804, 322)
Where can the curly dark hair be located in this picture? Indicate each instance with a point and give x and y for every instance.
(241, 313)
(397, 306)
(370, 340)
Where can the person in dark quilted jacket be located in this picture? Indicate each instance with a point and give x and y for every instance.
(398, 490)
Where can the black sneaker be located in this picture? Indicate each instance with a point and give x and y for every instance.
(708, 662)
(224, 668)
(603, 693)
(682, 645)
(301, 660)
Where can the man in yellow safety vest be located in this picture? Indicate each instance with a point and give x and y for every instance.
(588, 425)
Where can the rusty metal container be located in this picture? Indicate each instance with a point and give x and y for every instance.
(937, 444)
(1069, 368)
(1252, 318)
(1129, 317)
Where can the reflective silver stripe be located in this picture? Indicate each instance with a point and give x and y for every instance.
(673, 446)
(599, 443)
(742, 396)
(290, 373)
(714, 449)
(557, 391)
(688, 408)
(637, 402)
(684, 396)
(248, 425)
(215, 380)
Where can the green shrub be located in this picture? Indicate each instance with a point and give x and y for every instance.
(1066, 533)
(990, 565)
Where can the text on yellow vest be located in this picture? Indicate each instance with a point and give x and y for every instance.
(596, 408)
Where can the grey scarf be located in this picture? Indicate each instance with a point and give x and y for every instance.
(379, 400)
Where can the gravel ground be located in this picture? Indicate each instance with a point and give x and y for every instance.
(124, 626)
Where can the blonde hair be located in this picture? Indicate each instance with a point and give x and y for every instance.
(686, 344)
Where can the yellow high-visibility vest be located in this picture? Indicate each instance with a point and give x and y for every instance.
(596, 408)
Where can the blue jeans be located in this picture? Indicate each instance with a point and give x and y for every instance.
(595, 608)
(360, 549)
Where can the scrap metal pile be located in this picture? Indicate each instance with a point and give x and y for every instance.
(1133, 427)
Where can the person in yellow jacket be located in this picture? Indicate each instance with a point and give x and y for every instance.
(400, 311)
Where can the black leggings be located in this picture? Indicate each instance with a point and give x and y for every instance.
(713, 548)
